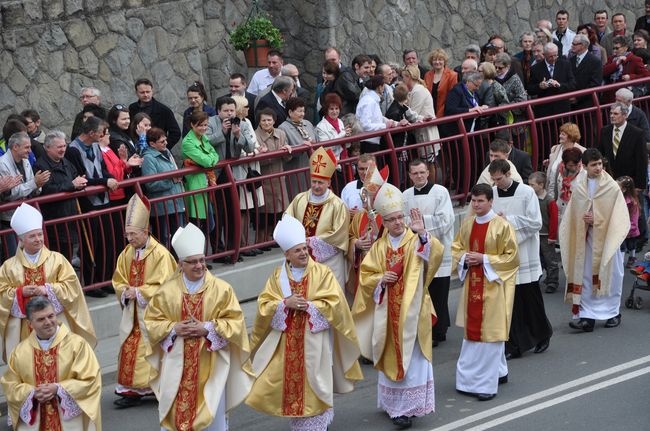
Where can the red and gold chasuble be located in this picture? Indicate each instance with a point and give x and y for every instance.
(310, 220)
(31, 276)
(129, 349)
(476, 284)
(188, 392)
(45, 371)
(293, 396)
(395, 263)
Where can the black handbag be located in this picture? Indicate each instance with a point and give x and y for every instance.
(252, 186)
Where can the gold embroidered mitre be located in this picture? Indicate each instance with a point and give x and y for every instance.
(137, 212)
(375, 178)
(322, 164)
(388, 200)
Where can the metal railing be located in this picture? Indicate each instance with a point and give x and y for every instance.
(96, 237)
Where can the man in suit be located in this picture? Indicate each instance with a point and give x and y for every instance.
(237, 85)
(281, 91)
(619, 24)
(551, 77)
(624, 146)
(161, 115)
(600, 24)
(636, 117)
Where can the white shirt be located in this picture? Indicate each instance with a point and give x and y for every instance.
(260, 80)
(370, 116)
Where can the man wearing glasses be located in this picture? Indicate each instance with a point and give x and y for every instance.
(87, 96)
(200, 345)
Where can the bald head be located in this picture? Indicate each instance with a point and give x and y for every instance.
(469, 65)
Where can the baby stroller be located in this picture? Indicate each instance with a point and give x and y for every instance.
(641, 282)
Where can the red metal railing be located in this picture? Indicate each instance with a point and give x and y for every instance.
(460, 160)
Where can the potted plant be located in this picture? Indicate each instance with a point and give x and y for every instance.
(256, 37)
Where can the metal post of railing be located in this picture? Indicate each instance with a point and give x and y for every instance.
(234, 214)
(393, 163)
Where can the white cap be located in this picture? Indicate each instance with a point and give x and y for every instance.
(188, 241)
(389, 200)
(26, 218)
(289, 232)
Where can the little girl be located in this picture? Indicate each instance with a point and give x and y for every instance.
(627, 187)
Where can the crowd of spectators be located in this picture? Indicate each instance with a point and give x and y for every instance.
(274, 112)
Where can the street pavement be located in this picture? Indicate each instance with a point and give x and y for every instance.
(584, 381)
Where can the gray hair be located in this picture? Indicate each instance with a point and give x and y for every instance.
(93, 91)
(581, 39)
(17, 139)
(288, 68)
(550, 46)
(526, 33)
(51, 136)
(37, 303)
(625, 110)
(503, 58)
(473, 48)
(625, 94)
(282, 83)
(472, 76)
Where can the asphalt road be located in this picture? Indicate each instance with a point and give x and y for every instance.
(585, 381)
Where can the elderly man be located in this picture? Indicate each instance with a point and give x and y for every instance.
(265, 77)
(304, 343)
(53, 380)
(324, 215)
(595, 224)
(587, 70)
(14, 164)
(485, 248)
(636, 116)
(87, 96)
(199, 343)
(551, 77)
(281, 90)
(434, 204)
(393, 311)
(63, 178)
(37, 271)
(141, 269)
(518, 204)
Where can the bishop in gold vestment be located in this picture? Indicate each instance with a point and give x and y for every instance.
(142, 267)
(37, 271)
(304, 342)
(393, 310)
(200, 346)
(53, 380)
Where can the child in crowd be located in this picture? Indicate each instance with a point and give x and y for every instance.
(629, 192)
(642, 269)
(548, 233)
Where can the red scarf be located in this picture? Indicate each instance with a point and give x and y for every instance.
(334, 122)
(565, 191)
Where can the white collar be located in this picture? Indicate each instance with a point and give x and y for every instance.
(318, 199)
(485, 218)
(193, 286)
(45, 344)
(33, 258)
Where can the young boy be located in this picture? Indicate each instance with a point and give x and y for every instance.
(548, 233)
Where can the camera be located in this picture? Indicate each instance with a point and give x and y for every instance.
(235, 121)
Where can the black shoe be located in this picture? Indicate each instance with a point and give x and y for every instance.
(613, 322)
(435, 343)
(366, 361)
(265, 248)
(440, 337)
(109, 289)
(96, 293)
(485, 397)
(551, 289)
(257, 251)
(542, 346)
(513, 354)
(586, 325)
(126, 402)
(402, 422)
(248, 253)
(503, 379)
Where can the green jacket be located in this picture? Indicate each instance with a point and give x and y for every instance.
(203, 154)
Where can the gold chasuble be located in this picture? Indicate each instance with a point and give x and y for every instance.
(388, 330)
(362, 224)
(70, 362)
(52, 269)
(328, 220)
(298, 371)
(188, 379)
(485, 308)
(147, 274)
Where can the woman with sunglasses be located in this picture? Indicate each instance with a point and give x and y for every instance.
(197, 98)
(119, 139)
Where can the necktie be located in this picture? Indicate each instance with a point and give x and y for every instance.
(578, 60)
(616, 141)
(89, 153)
(550, 69)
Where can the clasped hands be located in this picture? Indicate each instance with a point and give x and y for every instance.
(190, 328)
(130, 293)
(33, 290)
(473, 258)
(296, 302)
(45, 392)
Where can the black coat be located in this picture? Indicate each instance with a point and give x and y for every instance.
(588, 74)
(269, 101)
(522, 162)
(562, 73)
(349, 87)
(457, 103)
(162, 117)
(631, 158)
(61, 176)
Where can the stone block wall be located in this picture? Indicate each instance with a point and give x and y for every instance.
(51, 48)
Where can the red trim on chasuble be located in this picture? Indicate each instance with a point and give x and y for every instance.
(46, 371)
(293, 389)
(310, 218)
(476, 284)
(395, 263)
(129, 349)
(31, 276)
(187, 398)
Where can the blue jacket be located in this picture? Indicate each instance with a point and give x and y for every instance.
(156, 163)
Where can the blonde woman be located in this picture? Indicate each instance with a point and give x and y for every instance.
(421, 102)
(440, 79)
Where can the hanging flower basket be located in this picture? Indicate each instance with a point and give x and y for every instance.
(257, 52)
(256, 37)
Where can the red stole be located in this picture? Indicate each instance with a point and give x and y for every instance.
(395, 263)
(375, 230)
(476, 284)
(310, 220)
(45, 371)
(187, 397)
(31, 276)
(293, 389)
(129, 349)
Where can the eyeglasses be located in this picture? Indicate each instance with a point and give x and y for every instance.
(119, 107)
(193, 262)
(394, 219)
(499, 67)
